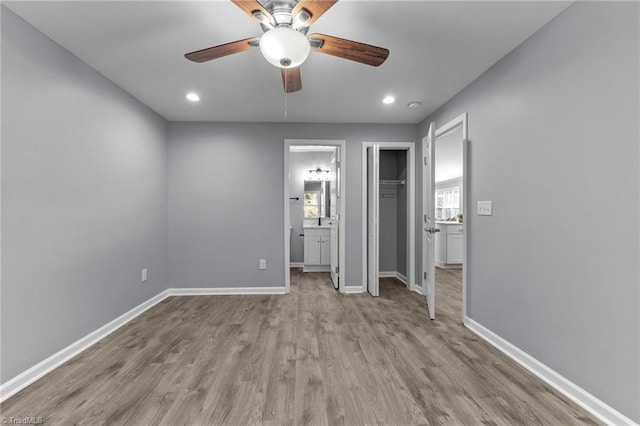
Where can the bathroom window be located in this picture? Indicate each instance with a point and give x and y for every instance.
(311, 208)
(447, 203)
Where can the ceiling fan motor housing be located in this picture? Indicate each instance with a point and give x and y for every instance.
(281, 12)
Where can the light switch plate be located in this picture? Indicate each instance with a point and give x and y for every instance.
(145, 275)
(485, 208)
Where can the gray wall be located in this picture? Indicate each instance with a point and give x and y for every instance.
(393, 212)
(84, 198)
(218, 230)
(554, 132)
(299, 164)
(388, 205)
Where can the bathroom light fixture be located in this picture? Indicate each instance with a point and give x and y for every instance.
(284, 47)
(388, 100)
(193, 97)
(318, 174)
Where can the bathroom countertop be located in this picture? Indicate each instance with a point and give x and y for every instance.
(316, 226)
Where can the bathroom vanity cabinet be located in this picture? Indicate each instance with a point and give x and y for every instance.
(317, 249)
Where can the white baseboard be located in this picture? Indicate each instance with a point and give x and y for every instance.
(225, 291)
(296, 264)
(393, 274)
(593, 405)
(418, 289)
(29, 376)
(443, 265)
(316, 268)
(355, 289)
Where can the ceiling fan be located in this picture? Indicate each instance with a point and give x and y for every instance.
(285, 43)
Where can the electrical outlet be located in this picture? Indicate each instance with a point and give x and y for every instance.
(485, 208)
(145, 275)
(263, 264)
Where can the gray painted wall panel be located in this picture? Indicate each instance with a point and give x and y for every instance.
(393, 212)
(216, 233)
(388, 223)
(554, 132)
(84, 198)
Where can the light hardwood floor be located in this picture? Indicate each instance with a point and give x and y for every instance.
(311, 357)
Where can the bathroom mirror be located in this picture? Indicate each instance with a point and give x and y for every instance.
(316, 199)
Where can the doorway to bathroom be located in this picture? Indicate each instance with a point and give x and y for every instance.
(314, 187)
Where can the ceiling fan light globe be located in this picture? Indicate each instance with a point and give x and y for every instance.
(284, 47)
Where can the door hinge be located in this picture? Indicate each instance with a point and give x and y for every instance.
(425, 161)
(337, 269)
(425, 276)
(425, 218)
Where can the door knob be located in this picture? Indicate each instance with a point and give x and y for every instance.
(432, 230)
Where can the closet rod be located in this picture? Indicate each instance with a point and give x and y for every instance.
(392, 182)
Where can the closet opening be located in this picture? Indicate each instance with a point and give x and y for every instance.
(388, 215)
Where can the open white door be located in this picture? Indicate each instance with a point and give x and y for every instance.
(373, 183)
(335, 216)
(429, 222)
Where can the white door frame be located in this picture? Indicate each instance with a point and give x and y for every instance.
(411, 210)
(460, 121)
(341, 145)
(373, 220)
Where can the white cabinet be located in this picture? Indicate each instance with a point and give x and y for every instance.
(454, 249)
(449, 245)
(317, 249)
(311, 249)
(325, 248)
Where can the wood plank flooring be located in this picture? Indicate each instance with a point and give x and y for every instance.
(312, 357)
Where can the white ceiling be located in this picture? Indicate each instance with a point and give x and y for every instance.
(437, 48)
(449, 155)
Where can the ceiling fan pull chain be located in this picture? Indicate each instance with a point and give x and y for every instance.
(285, 106)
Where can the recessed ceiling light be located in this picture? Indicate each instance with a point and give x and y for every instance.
(414, 105)
(388, 100)
(193, 97)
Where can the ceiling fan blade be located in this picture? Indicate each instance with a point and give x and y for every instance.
(316, 9)
(216, 52)
(291, 79)
(250, 7)
(347, 49)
